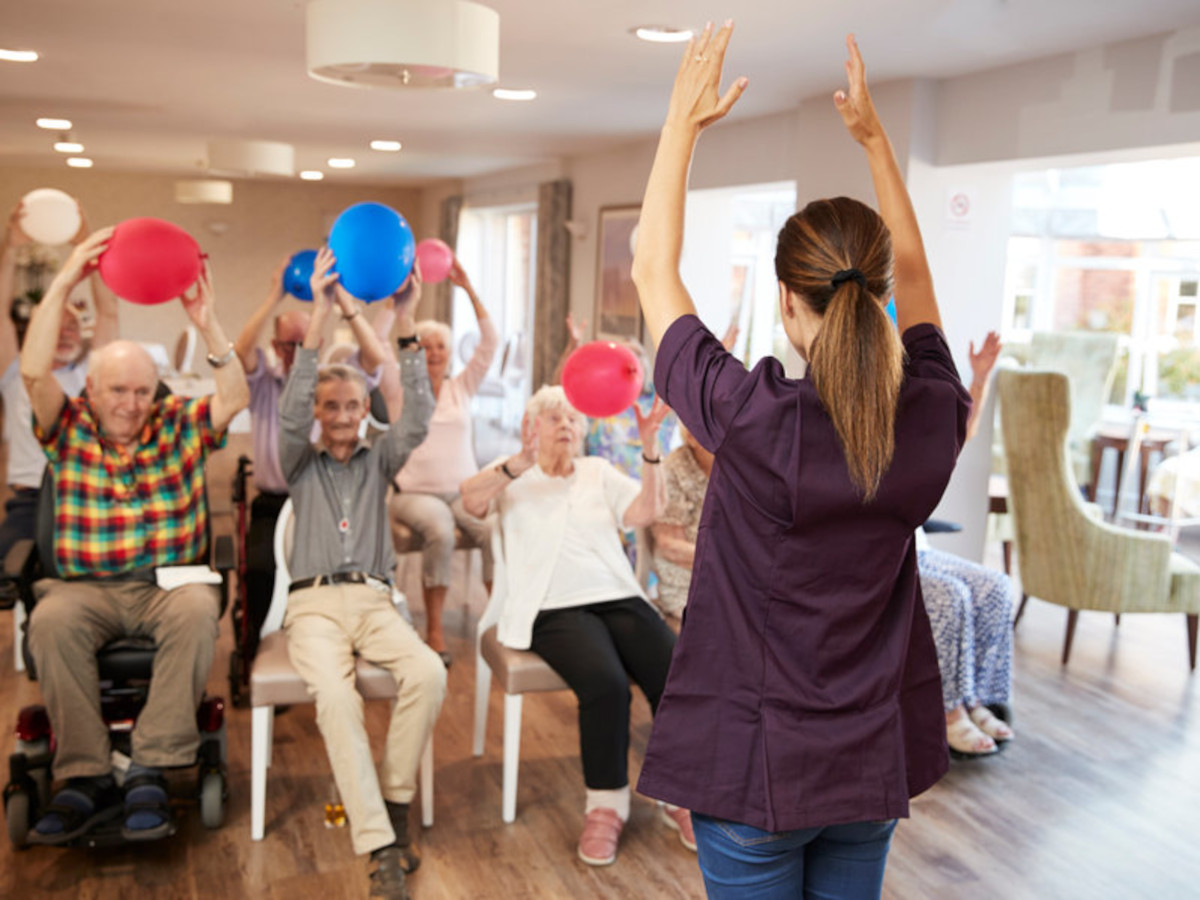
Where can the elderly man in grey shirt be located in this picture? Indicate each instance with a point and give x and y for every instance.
(340, 601)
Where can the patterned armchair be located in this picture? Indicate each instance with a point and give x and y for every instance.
(1066, 555)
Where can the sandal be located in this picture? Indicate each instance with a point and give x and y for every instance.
(991, 724)
(965, 739)
(146, 799)
(81, 805)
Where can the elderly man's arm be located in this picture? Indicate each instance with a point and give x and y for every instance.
(296, 403)
(37, 356)
(233, 393)
(407, 432)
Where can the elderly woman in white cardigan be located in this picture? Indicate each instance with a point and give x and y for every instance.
(565, 590)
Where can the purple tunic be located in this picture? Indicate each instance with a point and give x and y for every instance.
(804, 689)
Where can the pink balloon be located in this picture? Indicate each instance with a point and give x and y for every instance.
(436, 260)
(602, 378)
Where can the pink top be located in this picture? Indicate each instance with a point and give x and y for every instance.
(447, 455)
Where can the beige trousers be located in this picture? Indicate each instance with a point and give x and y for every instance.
(326, 627)
(74, 619)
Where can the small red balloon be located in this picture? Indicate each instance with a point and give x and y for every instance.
(602, 378)
(150, 261)
(436, 259)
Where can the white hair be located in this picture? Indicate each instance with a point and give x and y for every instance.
(550, 397)
(432, 327)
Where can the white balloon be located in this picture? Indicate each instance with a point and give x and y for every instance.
(50, 216)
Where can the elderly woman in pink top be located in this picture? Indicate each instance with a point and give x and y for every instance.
(427, 498)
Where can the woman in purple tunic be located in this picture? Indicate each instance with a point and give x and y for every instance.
(803, 707)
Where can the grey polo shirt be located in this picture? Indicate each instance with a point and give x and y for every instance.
(341, 520)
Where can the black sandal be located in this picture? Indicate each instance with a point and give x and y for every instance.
(77, 822)
(159, 806)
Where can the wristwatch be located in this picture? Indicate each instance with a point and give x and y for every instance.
(224, 359)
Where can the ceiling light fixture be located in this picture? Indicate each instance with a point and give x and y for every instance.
(662, 34)
(386, 146)
(79, 162)
(340, 162)
(18, 55)
(54, 124)
(312, 175)
(68, 147)
(514, 94)
(403, 43)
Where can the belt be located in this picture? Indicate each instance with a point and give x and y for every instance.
(336, 578)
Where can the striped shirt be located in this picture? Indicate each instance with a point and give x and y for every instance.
(118, 511)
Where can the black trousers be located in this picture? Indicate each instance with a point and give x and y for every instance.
(20, 513)
(597, 650)
(260, 563)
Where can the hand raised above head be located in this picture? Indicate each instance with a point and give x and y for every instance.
(14, 235)
(649, 423)
(84, 256)
(856, 107)
(323, 278)
(696, 100)
(408, 295)
(984, 361)
(577, 330)
(198, 300)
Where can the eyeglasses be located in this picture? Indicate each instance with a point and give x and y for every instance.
(286, 345)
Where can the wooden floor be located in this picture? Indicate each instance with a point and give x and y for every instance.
(1099, 797)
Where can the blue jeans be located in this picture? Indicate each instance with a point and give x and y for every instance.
(836, 862)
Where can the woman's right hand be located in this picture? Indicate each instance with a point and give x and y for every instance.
(696, 99)
(529, 441)
(856, 107)
(323, 280)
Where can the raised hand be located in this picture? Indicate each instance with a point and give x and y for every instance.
(458, 276)
(198, 300)
(530, 427)
(277, 292)
(323, 281)
(83, 257)
(856, 107)
(14, 236)
(696, 99)
(408, 296)
(577, 330)
(648, 423)
(984, 361)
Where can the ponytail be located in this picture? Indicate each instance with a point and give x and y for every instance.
(836, 256)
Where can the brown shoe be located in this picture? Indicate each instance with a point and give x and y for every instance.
(387, 879)
(601, 833)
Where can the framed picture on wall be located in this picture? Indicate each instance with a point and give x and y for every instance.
(618, 313)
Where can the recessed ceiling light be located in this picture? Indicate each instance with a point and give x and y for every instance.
(312, 175)
(55, 124)
(513, 94)
(340, 162)
(79, 162)
(68, 147)
(387, 146)
(18, 55)
(662, 34)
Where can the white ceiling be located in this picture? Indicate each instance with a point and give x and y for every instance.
(148, 82)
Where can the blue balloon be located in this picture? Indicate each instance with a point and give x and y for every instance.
(297, 275)
(375, 250)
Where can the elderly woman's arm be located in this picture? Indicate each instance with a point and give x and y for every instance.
(651, 502)
(488, 484)
(672, 544)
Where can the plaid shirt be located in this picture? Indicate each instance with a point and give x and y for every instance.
(117, 511)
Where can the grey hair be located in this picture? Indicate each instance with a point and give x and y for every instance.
(430, 327)
(332, 372)
(550, 397)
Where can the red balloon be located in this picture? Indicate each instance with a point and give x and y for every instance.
(436, 259)
(602, 378)
(150, 261)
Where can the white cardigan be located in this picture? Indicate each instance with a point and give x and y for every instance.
(527, 537)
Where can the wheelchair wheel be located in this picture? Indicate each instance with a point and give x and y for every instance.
(17, 809)
(212, 799)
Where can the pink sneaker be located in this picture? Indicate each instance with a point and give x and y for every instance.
(601, 832)
(681, 820)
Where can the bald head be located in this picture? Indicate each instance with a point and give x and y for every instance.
(121, 382)
(290, 329)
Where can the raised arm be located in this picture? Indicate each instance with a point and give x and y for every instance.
(247, 342)
(696, 103)
(37, 356)
(233, 393)
(488, 484)
(651, 502)
(915, 300)
(489, 338)
(982, 364)
(108, 320)
(14, 238)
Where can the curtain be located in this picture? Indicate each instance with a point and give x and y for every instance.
(553, 276)
(442, 307)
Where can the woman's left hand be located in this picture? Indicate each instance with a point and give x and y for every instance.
(648, 423)
(696, 101)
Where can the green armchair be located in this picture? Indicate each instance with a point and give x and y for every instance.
(1066, 555)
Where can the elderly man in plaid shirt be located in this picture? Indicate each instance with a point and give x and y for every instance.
(128, 476)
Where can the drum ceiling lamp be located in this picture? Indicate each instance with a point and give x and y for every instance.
(249, 158)
(403, 43)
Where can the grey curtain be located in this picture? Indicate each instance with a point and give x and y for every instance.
(553, 274)
(441, 308)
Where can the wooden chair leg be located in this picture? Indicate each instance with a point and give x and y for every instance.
(1020, 609)
(1193, 621)
(1006, 546)
(1072, 618)
(1117, 619)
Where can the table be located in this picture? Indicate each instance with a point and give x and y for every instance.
(1116, 437)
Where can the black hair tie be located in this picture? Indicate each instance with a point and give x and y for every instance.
(845, 275)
